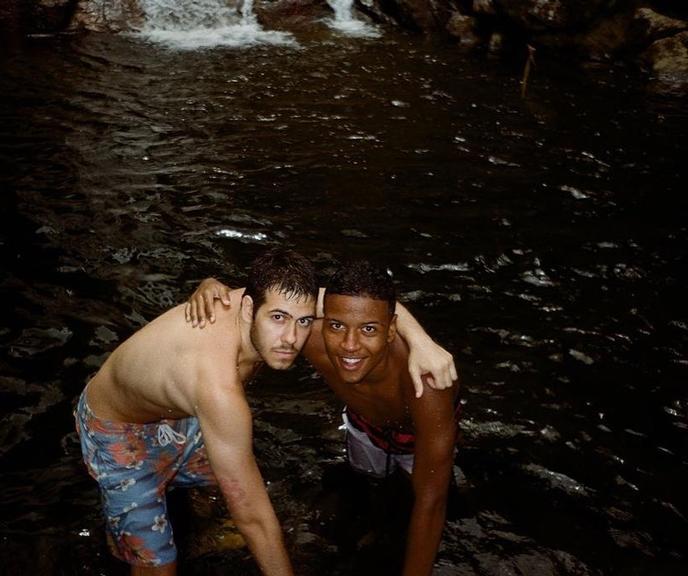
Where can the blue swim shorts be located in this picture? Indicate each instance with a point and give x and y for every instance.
(134, 464)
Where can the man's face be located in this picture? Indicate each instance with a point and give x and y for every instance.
(280, 328)
(357, 331)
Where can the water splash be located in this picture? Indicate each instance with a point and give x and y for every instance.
(345, 22)
(197, 24)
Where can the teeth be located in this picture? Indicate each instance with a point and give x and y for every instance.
(351, 361)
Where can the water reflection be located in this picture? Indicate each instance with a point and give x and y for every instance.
(543, 241)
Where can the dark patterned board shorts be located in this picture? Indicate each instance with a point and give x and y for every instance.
(134, 464)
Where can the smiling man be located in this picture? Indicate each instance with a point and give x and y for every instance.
(356, 349)
(168, 408)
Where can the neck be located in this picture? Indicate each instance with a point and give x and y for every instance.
(247, 355)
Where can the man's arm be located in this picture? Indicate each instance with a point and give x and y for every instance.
(426, 357)
(227, 428)
(433, 416)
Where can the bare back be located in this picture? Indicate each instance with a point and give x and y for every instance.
(156, 373)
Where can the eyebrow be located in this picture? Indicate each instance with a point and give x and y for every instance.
(333, 319)
(285, 313)
(279, 311)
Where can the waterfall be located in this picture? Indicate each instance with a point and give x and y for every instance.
(345, 22)
(247, 15)
(194, 24)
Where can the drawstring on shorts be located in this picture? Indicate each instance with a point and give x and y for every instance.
(166, 435)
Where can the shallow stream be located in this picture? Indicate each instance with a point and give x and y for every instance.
(542, 240)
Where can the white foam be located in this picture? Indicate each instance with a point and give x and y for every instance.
(239, 36)
(198, 24)
(345, 22)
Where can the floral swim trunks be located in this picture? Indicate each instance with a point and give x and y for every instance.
(134, 464)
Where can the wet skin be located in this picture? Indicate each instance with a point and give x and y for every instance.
(356, 350)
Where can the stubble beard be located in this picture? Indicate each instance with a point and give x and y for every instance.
(264, 352)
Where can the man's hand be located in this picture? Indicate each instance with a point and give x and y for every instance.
(433, 362)
(201, 305)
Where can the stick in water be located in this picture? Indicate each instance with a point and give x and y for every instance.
(530, 61)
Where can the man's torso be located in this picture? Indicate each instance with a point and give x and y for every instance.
(155, 373)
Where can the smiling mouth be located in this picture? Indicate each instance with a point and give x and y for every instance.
(349, 363)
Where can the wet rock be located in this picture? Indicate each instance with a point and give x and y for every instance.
(35, 340)
(427, 16)
(52, 15)
(485, 7)
(650, 25)
(113, 16)
(543, 15)
(605, 38)
(36, 16)
(464, 29)
(557, 480)
(535, 564)
(569, 564)
(626, 32)
(666, 60)
(291, 14)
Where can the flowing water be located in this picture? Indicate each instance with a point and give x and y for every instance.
(541, 240)
(345, 22)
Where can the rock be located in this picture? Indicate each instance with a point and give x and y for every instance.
(11, 15)
(551, 15)
(666, 60)
(464, 29)
(427, 16)
(485, 7)
(36, 16)
(495, 43)
(648, 25)
(291, 14)
(606, 38)
(52, 15)
(110, 16)
(627, 32)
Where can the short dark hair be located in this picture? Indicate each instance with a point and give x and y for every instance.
(284, 270)
(363, 278)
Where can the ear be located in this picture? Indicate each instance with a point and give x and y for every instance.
(392, 330)
(247, 308)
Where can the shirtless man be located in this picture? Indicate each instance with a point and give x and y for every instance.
(168, 408)
(355, 347)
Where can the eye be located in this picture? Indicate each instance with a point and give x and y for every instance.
(305, 322)
(278, 317)
(369, 330)
(335, 326)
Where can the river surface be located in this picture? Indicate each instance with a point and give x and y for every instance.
(542, 240)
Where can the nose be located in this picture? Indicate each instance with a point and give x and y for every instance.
(350, 341)
(289, 334)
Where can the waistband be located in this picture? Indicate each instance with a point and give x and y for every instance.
(93, 422)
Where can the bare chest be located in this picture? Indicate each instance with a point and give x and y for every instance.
(384, 406)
